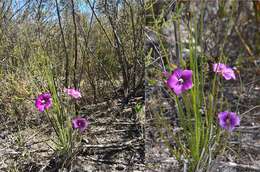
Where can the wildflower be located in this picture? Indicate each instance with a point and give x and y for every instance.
(228, 120)
(73, 93)
(227, 72)
(180, 81)
(80, 123)
(43, 102)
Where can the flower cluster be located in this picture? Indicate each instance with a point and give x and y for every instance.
(44, 102)
(222, 69)
(181, 80)
(73, 93)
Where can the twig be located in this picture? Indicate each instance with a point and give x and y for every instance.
(244, 42)
(156, 49)
(86, 41)
(75, 43)
(248, 128)
(64, 45)
(99, 22)
(242, 166)
(104, 131)
(105, 161)
(17, 11)
(250, 110)
(113, 145)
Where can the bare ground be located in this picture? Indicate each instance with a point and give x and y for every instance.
(113, 142)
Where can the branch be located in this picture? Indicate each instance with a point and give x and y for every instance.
(64, 45)
(75, 43)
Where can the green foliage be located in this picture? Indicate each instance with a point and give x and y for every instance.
(59, 115)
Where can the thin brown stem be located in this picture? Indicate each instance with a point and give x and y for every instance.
(64, 46)
(75, 43)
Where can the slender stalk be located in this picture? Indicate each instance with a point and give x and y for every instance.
(86, 40)
(64, 46)
(99, 22)
(75, 43)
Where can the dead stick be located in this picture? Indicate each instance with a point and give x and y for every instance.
(242, 166)
(244, 42)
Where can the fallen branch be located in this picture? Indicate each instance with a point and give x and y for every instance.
(241, 166)
(244, 42)
(114, 145)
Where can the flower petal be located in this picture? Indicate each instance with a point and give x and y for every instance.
(187, 85)
(40, 107)
(177, 89)
(228, 74)
(48, 104)
(75, 123)
(73, 92)
(222, 116)
(187, 77)
(219, 67)
(234, 119)
(186, 74)
(177, 73)
(172, 81)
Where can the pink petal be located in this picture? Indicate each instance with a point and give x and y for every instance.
(177, 73)
(72, 92)
(177, 89)
(187, 85)
(222, 119)
(187, 76)
(228, 74)
(172, 81)
(235, 120)
(219, 67)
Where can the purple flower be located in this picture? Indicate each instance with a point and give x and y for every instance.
(43, 101)
(180, 81)
(79, 123)
(228, 120)
(73, 93)
(227, 72)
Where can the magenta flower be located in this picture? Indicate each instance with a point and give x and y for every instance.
(43, 101)
(180, 81)
(73, 93)
(227, 72)
(228, 120)
(80, 123)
